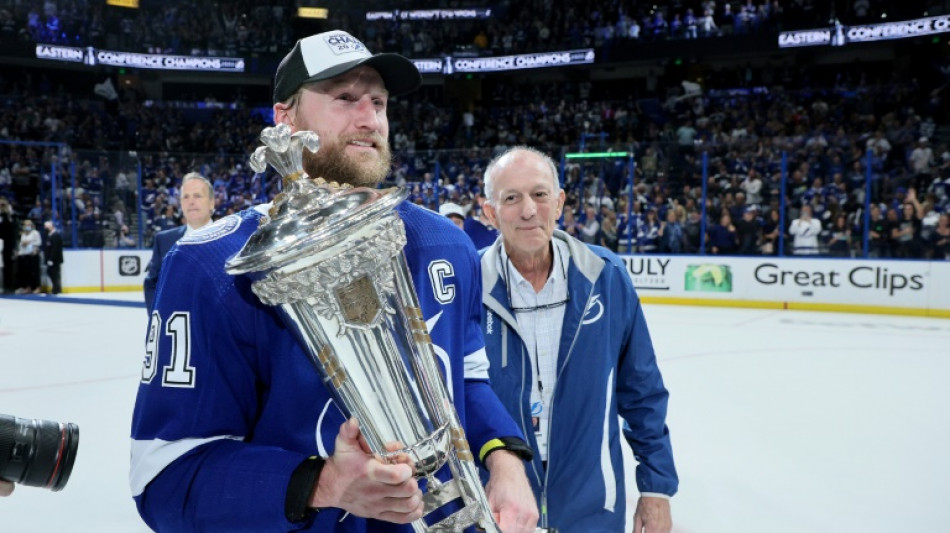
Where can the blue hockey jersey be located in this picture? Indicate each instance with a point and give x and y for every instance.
(229, 404)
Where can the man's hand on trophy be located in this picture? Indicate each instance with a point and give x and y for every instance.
(509, 493)
(358, 482)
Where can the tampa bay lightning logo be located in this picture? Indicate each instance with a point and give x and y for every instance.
(225, 226)
(536, 408)
(595, 310)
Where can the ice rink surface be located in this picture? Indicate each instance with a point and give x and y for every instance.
(782, 421)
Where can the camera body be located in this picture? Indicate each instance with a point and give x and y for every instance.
(37, 453)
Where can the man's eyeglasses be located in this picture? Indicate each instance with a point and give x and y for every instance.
(538, 307)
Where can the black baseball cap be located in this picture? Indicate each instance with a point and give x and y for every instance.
(328, 54)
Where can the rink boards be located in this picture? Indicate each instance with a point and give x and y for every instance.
(919, 288)
(823, 284)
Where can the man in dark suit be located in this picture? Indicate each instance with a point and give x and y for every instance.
(8, 235)
(197, 205)
(478, 228)
(53, 252)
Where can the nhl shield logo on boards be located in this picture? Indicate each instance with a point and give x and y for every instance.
(129, 265)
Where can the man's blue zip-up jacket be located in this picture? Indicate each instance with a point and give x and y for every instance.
(606, 367)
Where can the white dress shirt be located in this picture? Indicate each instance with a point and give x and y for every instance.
(540, 315)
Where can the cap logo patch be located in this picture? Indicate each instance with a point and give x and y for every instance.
(341, 43)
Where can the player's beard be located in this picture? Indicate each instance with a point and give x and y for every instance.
(333, 164)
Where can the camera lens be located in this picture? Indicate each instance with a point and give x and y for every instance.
(37, 453)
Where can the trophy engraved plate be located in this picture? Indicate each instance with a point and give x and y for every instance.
(330, 259)
(359, 302)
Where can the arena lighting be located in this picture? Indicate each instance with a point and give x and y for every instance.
(134, 4)
(591, 155)
(313, 12)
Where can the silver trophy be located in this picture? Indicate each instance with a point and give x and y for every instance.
(330, 258)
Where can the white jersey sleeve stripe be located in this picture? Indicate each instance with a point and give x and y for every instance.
(150, 457)
(476, 365)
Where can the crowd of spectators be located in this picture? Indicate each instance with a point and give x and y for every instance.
(836, 135)
(185, 27)
(241, 27)
(116, 165)
(740, 135)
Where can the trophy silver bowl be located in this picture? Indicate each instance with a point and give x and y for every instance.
(330, 259)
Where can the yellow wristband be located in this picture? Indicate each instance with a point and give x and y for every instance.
(489, 447)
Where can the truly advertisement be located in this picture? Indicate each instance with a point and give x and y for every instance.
(708, 277)
(666, 274)
(648, 272)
